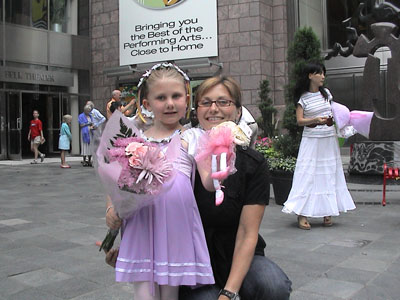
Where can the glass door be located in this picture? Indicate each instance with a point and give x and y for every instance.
(14, 119)
(3, 127)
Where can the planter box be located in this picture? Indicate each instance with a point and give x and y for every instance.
(281, 183)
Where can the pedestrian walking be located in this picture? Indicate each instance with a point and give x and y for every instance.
(86, 124)
(98, 121)
(64, 142)
(35, 136)
(319, 187)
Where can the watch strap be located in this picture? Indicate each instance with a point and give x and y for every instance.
(228, 294)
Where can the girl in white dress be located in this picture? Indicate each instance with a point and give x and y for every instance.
(319, 186)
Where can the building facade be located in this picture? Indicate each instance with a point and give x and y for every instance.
(45, 66)
(252, 42)
(253, 38)
(57, 53)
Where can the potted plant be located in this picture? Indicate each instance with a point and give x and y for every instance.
(267, 121)
(281, 166)
(57, 14)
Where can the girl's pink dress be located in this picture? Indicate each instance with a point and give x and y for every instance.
(164, 242)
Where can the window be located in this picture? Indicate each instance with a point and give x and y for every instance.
(326, 18)
(58, 11)
(39, 14)
(310, 13)
(83, 17)
(27, 12)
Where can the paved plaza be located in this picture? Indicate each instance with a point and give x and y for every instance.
(50, 219)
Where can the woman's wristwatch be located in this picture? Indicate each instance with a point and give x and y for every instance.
(229, 294)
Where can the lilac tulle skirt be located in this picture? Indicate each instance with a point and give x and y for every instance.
(164, 243)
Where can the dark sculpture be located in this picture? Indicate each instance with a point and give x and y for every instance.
(384, 21)
(367, 13)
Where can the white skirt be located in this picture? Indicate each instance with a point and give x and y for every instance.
(319, 186)
(86, 149)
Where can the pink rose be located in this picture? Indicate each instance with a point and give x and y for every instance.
(135, 149)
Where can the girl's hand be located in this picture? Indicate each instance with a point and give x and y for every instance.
(111, 257)
(112, 220)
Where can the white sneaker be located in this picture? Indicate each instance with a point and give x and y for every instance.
(34, 162)
(42, 156)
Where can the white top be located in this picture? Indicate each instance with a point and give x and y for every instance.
(315, 105)
(192, 136)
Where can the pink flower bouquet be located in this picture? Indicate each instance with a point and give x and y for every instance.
(132, 170)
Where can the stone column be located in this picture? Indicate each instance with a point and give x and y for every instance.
(105, 49)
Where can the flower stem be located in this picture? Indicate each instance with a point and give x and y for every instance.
(108, 241)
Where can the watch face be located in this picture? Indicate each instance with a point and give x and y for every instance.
(159, 4)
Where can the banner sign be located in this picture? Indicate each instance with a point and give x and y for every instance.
(161, 30)
(34, 76)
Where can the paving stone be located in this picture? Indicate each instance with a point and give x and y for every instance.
(116, 292)
(365, 264)
(48, 243)
(32, 294)
(373, 293)
(300, 295)
(345, 274)
(12, 222)
(389, 283)
(41, 277)
(330, 287)
(70, 288)
(17, 267)
(9, 286)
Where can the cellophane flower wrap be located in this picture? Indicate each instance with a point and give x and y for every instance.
(132, 170)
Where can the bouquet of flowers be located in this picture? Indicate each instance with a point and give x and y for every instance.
(132, 170)
(145, 168)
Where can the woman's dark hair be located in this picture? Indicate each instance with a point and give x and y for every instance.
(303, 84)
(115, 105)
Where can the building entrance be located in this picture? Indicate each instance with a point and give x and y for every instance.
(16, 108)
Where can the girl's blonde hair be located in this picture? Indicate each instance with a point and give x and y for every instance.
(157, 75)
(159, 72)
(66, 118)
(228, 82)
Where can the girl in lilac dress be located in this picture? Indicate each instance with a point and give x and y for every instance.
(163, 245)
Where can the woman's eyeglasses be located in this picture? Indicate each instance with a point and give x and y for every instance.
(219, 103)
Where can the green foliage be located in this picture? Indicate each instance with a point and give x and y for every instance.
(288, 145)
(277, 159)
(267, 120)
(304, 48)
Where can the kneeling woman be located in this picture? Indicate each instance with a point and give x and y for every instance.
(236, 249)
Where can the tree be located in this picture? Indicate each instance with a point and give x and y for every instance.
(267, 120)
(304, 48)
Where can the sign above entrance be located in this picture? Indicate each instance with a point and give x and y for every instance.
(162, 30)
(36, 76)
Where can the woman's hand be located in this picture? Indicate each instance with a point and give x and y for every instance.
(112, 220)
(321, 120)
